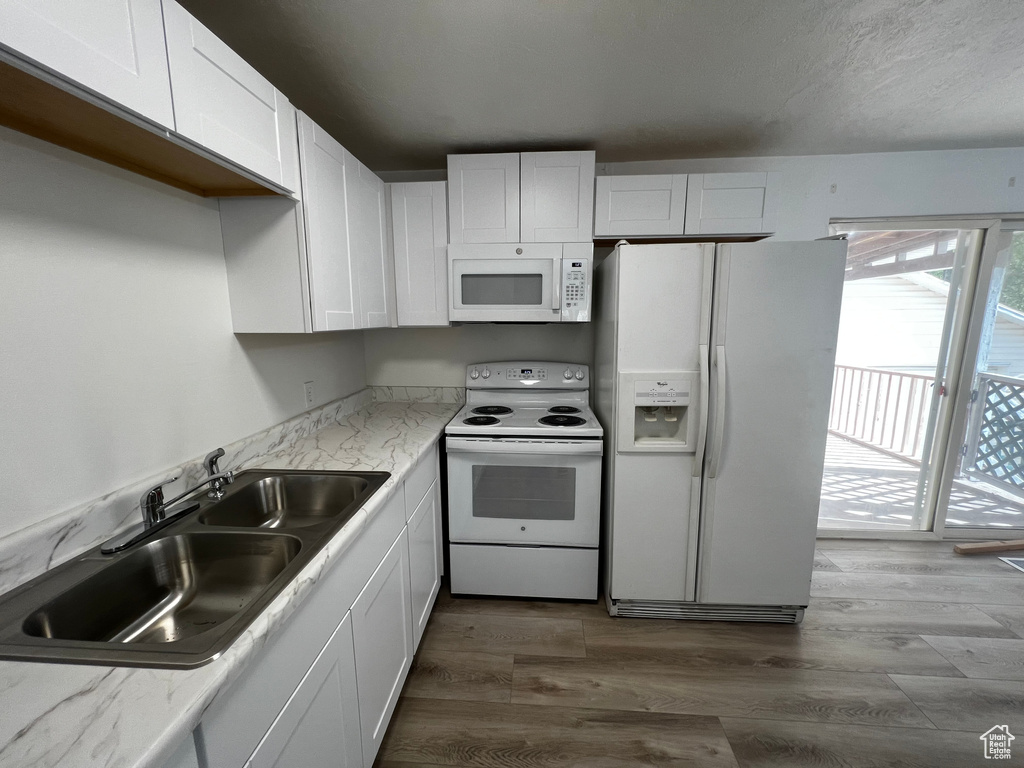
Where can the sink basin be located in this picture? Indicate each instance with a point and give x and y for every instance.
(183, 594)
(287, 501)
(167, 590)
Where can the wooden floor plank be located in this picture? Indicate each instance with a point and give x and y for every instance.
(460, 675)
(942, 589)
(771, 744)
(843, 697)
(983, 657)
(1010, 616)
(504, 634)
(922, 563)
(822, 563)
(904, 617)
(779, 646)
(963, 703)
(488, 735)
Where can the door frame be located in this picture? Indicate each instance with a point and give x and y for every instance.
(963, 345)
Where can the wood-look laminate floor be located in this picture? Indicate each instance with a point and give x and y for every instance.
(907, 654)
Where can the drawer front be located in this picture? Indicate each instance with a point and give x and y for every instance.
(420, 480)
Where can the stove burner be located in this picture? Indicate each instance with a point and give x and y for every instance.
(563, 421)
(563, 409)
(480, 421)
(493, 410)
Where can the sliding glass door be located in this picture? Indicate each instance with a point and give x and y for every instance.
(904, 327)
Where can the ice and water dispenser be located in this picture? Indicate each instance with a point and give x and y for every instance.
(658, 412)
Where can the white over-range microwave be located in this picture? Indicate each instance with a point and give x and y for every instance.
(520, 282)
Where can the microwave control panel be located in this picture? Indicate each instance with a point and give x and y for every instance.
(576, 280)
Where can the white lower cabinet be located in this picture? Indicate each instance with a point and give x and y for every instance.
(326, 684)
(425, 558)
(319, 726)
(382, 631)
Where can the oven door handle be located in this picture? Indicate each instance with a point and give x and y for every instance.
(534, 447)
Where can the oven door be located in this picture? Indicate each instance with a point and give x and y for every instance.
(523, 491)
(494, 283)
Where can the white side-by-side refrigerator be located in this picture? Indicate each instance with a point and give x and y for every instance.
(713, 380)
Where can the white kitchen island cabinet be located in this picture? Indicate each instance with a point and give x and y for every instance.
(226, 106)
(113, 48)
(319, 726)
(651, 205)
(419, 229)
(382, 632)
(529, 197)
(321, 264)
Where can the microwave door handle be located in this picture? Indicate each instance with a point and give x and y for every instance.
(556, 284)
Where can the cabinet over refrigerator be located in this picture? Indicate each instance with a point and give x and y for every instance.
(713, 378)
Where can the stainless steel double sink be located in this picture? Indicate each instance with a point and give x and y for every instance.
(180, 597)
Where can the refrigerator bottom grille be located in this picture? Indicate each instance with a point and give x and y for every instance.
(653, 609)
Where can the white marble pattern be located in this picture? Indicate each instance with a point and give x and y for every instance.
(452, 395)
(68, 715)
(29, 552)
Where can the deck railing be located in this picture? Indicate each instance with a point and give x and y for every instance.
(994, 451)
(886, 410)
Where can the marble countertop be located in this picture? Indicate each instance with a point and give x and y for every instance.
(72, 715)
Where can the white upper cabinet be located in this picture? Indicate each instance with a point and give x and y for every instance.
(640, 205)
(483, 198)
(114, 48)
(419, 227)
(332, 283)
(225, 105)
(720, 203)
(367, 242)
(533, 197)
(556, 193)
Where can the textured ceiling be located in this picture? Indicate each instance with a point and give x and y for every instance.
(401, 83)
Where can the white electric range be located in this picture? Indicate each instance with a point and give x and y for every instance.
(524, 482)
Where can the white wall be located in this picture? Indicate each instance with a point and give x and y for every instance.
(438, 356)
(870, 185)
(116, 349)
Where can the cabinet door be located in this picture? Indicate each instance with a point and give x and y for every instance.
(720, 203)
(331, 285)
(223, 104)
(382, 629)
(424, 562)
(112, 47)
(319, 726)
(640, 205)
(366, 237)
(419, 225)
(556, 197)
(483, 198)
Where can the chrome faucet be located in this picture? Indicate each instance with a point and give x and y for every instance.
(153, 504)
(212, 470)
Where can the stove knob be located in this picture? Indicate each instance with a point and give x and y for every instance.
(487, 373)
(474, 374)
(567, 375)
(579, 374)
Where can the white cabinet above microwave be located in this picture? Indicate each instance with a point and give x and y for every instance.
(520, 282)
(528, 197)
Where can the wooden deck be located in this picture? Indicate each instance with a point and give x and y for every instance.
(907, 654)
(864, 489)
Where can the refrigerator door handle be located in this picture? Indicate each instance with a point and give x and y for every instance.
(702, 426)
(716, 448)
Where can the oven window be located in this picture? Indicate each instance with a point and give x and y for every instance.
(520, 290)
(524, 493)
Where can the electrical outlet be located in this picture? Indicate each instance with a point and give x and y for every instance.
(308, 391)
(1013, 182)
(832, 189)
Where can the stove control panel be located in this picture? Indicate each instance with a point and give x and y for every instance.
(518, 374)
